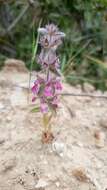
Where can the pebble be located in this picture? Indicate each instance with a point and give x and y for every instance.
(94, 123)
(59, 148)
(57, 184)
(12, 65)
(99, 138)
(79, 144)
(49, 175)
(8, 119)
(41, 183)
(98, 104)
(99, 165)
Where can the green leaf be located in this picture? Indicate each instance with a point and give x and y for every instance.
(37, 109)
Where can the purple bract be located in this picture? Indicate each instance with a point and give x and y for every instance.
(48, 88)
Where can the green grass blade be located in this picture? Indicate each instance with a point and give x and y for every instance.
(34, 51)
(37, 109)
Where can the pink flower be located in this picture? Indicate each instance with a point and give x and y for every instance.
(48, 91)
(37, 84)
(51, 87)
(58, 85)
(43, 105)
(33, 99)
(44, 108)
(55, 101)
(35, 88)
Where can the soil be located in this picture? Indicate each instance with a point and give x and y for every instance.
(77, 157)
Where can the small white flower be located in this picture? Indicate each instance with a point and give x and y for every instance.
(42, 30)
(61, 34)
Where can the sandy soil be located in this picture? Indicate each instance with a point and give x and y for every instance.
(77, 158)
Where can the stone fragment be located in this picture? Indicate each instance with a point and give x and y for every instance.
(59, 148)
(14, 65)
(41, 183)
(99, 138)
(57, 184)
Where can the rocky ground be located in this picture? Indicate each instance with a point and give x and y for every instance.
(77, 158)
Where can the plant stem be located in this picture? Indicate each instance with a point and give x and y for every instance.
(47, 74)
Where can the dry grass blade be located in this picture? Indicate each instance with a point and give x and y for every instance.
(70, 61)
(95, 60)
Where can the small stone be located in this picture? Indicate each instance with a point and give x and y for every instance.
(59, 148)
(99, 165)
(57, 184)
(48, 175)
(8, 119)
(99, 138)
(12, 65)
(45, 162)
(79, 144)
(33, 172)
(94, 123)
(41, 157)
(41, 183)
(21, 181)
(98, 104)
(61, 154)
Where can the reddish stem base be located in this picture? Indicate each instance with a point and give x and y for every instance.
(47, 137)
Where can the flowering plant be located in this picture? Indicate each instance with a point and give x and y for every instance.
(48, 88)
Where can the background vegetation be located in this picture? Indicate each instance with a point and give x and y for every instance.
(84, 54)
